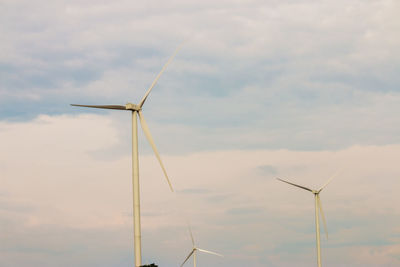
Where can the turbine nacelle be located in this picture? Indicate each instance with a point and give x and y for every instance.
(133, 107)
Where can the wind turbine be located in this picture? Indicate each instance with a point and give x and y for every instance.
(136, 110)
(318, 209)
(195, 249)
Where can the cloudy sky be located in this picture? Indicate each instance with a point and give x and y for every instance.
(261, 89)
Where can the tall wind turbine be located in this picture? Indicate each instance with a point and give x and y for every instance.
(136, 110)
(318, 209)
(195, 249)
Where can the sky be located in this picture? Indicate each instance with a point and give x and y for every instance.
(260, 90)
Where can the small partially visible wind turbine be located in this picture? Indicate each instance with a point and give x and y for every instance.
(318, 209)
(195, 249)
(137, 112)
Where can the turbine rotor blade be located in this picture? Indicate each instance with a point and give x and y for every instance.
(302, 187)
(322, 215)
(159, 75)
(187, 258)
(101, 106)
(209, 252)
(191, 235)
(330, 179)
(153, 145)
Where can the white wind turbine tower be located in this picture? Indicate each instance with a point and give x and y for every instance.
(318, 209)
(195, 249)
(137, 111)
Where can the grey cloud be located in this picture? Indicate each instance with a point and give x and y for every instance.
(53, 245)
(14, 207)
(243, 211)
(268, 169)
(217, 198)
(195, 191)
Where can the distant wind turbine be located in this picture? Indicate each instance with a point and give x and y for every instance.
(318, 209)
(137, 111)
(195, 249)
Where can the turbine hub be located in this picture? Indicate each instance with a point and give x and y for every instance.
(131, 106)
